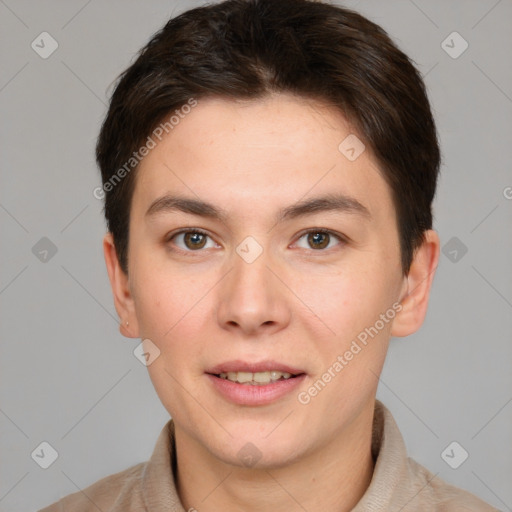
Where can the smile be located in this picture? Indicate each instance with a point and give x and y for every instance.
(255, 379)
(255, 388)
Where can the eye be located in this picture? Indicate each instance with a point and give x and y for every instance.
(191, 240)
(320, 239)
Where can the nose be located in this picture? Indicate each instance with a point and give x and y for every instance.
(253, 299)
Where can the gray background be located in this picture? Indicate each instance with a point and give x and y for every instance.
(69, 378)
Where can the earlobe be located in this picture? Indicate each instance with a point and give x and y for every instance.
(417, 286)
(119, 283)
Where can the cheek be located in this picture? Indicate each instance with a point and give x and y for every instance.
(173, 311)
(344, 302)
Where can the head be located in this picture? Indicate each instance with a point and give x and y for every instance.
(268, 173)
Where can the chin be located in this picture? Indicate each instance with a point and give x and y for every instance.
(253, 450)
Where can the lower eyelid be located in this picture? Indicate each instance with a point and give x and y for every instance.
(341, 240)
(172, 237)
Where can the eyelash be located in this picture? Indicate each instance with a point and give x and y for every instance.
(342, 239)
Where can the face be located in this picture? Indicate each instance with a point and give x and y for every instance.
(260, 251)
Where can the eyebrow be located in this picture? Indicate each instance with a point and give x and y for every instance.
(326, 203)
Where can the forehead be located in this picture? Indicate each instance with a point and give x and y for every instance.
(276, 151)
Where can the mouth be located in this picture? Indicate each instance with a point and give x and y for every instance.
(256, 378)
(254, 383)
(262, 373)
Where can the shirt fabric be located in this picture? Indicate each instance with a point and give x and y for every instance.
(398, 484)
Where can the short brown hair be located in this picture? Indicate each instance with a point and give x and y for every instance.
(247, 49)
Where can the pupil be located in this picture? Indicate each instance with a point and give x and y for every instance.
(195, 239)
(320, 240)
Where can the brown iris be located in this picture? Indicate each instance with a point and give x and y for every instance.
(197, 240)
(318, 240)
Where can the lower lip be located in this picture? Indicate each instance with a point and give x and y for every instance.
(248, 394)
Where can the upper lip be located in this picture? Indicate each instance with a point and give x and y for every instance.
(262, 366)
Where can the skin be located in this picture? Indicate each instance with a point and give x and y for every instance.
(296, 303)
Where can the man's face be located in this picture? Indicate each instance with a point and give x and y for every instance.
(290, 289)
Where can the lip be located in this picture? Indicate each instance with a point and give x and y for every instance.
(263, 366)
(253, 395)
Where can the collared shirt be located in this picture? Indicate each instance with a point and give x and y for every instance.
(398, 484)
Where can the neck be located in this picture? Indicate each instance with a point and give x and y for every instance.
(333, 477)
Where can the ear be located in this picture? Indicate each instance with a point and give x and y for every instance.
(119, 283)
(416, 288)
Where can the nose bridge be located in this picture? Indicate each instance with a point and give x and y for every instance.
(251, 297)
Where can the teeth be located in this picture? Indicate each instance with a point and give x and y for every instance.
(258, 378)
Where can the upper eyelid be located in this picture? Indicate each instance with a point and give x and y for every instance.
(322, 230)
(339, 236)
(169, 237)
